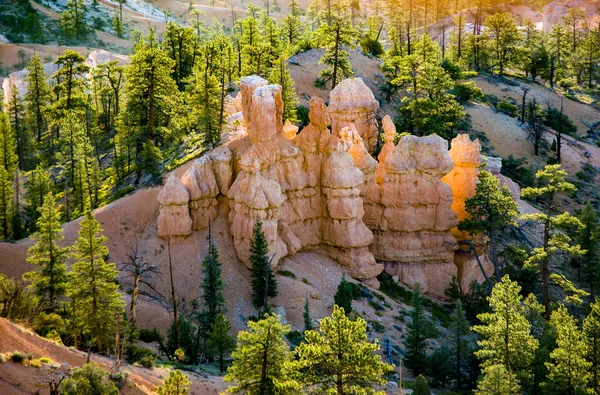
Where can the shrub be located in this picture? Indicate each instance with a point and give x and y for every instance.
(89, 379)
(567, 83)
(393, 290)
(508, 108)
(467, 91)
(554, 119)
(451, 68)
(492, 100)
(287, 273)
(149, 335)
(17, 357)
(142, 355)
(46, 360)
(377, 326)
(516, 170)
(320, 83)
(372, 47)
(1, 358)
(35, 363)
(468, 74)
(295, 337)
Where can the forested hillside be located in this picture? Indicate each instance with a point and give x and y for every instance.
(81, 129)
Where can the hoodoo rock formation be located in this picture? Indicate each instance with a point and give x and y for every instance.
(322, 190)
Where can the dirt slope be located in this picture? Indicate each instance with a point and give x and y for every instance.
(19, 379)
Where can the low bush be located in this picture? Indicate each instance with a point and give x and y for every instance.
(142, 355)
(516, 170)
(468, 74)
(149, 335)
(17, 357)
(287, 273)
(46, 360)
(35, 363)
(467, 91)
(377, 326)
(451, 68)
(508, 108)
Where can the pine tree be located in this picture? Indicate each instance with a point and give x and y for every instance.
(591, 334)
(343, 296)
(569, 370)
(17, 121)
(8, 165)
(552, 181)
(421, 386)
(588, 240)
(491, 211)
(308, 324)
(496, 380)
(70, 86)
(212, 285)
(220, 342)
(419, 330)
(72, 20)
(459, 341)
(262, 359)
(93, 284)
(50, 283)
(181, 45)
(176, 383)
(152, 96)
(37, 96)
(38, 186)
(339, 358)
(280, 74)
(506, 337)
(264, 285)
(503, 36)
(117, 25)
(334, 36)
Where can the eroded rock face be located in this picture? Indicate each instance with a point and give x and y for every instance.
(463, 178)
(352, 102)
(174, 217)
(323, 190)
(413, 235)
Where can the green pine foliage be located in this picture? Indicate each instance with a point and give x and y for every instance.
(552, 184)
(496, 380)
(506, 337)
(220, 342)
(176, 383)
(491, 212)
(419, 330)
(338, 358)
(343, 296)
(421, 386)
(308, 324)
(264, 285)
(50, 282)
(88, 379)
(8, 165)
(212, 286)
(262, 360)
(37, 97)
(93, 287)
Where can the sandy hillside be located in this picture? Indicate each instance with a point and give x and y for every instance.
(17, 379)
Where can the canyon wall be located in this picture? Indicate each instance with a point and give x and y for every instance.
(322, 190)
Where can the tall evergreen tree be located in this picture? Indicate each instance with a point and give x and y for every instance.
(152, 96)
(588, 240)
(72, 20)
(591, 334)
(280, 74)
(8, 165)
(343, 295)
(506, 337)
(50, 282)
(264, 285)
(568, 370)
(17, 121)
(419, 330)
(503, 36)
(308, 324)
(93, 285)
(38, 186)
(212, 285)
(496, 380)
(553, 183)
(262, 360)
(37, 96)
(339, 359)
(220, 342)
(491, 211)
(459, 340)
